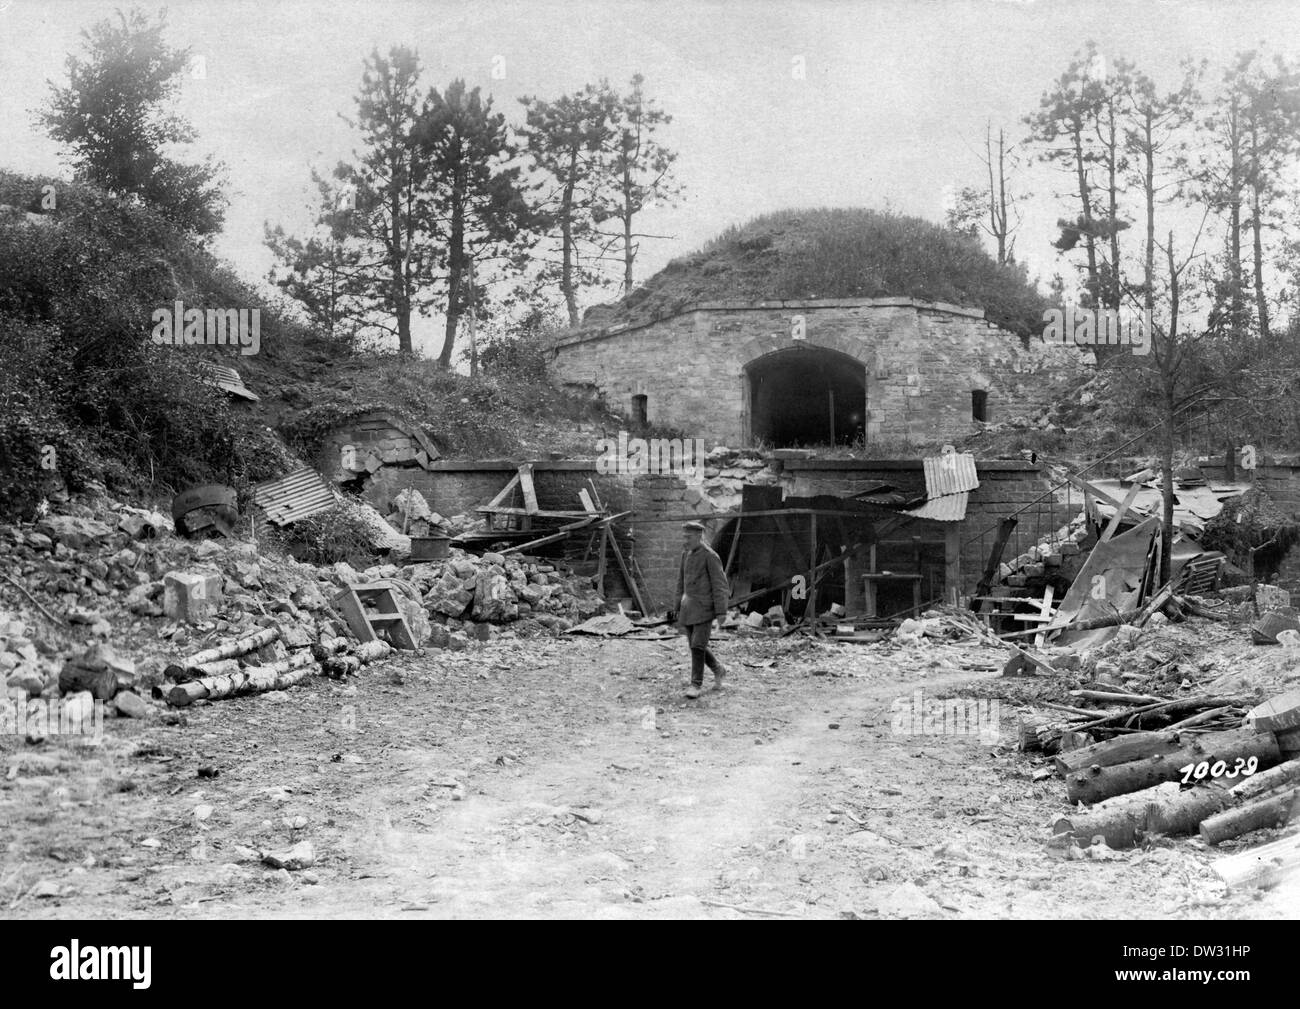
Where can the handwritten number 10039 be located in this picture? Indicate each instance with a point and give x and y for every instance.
(1219, 769)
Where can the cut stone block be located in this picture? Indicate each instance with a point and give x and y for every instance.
(191, 596)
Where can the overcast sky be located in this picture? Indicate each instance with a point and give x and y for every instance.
(889, 112)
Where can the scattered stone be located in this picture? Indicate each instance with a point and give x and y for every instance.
(131, 705)
(300, 856)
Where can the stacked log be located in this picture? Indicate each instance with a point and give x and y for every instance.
(1096, 782)
(1263, 800)
(201, 664)
(249, 680)
(1119, 750)
(338, 665)
(1168, 809)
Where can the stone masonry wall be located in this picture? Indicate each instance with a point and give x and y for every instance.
(920, 364)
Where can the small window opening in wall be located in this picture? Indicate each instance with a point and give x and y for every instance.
(979, 405)
(639, 410)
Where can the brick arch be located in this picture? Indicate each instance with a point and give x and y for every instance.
(762, 346)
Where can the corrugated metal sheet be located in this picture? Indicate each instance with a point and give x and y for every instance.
(227, 379)
(293, 497)
(950, 473)
(947, 508)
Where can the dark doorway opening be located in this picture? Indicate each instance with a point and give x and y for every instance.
(979, 405)
(639, 410)
(808, 396)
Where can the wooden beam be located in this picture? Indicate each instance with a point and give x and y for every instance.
(526, 485)
(1096, 492)
(1124, 506)
(504, 492)
(627, 575)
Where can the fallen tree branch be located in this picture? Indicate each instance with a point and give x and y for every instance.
(32, 599)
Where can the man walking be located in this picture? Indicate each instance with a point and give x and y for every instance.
(702, 594)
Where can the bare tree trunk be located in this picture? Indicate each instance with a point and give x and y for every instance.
(628, 254)
(1257, 227)
(1113, 192)
(567, 284)
(1085, 200)
(1169, 377)
(455, 277)
(401, 295)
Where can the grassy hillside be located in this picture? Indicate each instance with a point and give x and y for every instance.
(838, 253)
(85, 395)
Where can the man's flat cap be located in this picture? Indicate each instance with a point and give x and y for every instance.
(693, 527)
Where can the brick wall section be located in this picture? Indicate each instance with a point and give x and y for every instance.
(366, 435)
(453, 487)
(920, 364)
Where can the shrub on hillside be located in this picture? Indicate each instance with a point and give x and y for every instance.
(77, 294)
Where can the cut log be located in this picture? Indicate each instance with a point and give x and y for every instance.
(1260, 867)
(250, 680)
(328, 646)
(1263, 782)
(371, 651)
(1094, 783)
(1289, 743)
(1277, 714)
(1163, 809)
(1119, 750)
(221, 667)
(1039, 734)
(1273, 810)
(1104, 695)
(338, 666)
(178, 671)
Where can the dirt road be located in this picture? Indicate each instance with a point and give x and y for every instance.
(571, 779)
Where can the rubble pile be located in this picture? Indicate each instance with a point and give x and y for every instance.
(727, 471)
(1049, 552)
(503, 588)
(104, 603)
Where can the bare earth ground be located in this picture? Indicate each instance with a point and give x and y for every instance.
(576, 801)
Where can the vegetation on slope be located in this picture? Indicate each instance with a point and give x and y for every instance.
(840, 253)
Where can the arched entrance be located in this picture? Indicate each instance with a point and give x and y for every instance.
(807, 395)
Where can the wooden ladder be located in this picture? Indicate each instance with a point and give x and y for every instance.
(372, 613)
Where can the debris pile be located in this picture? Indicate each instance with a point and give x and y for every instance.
(1049, 552)
(113, 607)
(503, 588)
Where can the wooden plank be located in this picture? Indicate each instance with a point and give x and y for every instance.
(602, 559)
(1124, 506)
(1045, 614)
(503, 493)
(526, 485)
(627, 575)
(1096, 492)
(588, 505)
